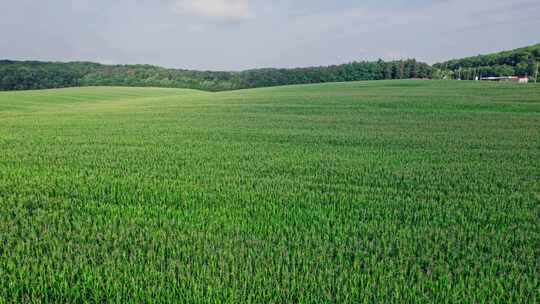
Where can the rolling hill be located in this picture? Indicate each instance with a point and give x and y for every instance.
(358, 192)
(25, 75)
(521, 62)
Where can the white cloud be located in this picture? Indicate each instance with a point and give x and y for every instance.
(224, 10)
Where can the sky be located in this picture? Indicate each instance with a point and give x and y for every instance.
(246, 34)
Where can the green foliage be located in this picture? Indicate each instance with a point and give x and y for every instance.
(24, 75)
(518, 62)
(360, 192)
(38, 75)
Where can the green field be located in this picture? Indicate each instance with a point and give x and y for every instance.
(361, 192)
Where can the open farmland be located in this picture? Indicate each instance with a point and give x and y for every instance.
(362, 192)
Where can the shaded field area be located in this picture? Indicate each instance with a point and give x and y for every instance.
(360, 192)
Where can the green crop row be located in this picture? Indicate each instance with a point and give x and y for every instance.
(364, 192)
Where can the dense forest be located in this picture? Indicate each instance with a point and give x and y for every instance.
(519, 62)
(24, 75)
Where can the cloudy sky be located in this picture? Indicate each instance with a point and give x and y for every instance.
(243, 34)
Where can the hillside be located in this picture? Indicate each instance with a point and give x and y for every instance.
(359, 192)
(24, 75)
(521, 62)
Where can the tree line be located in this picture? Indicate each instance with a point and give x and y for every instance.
(24, 75)
(519, 62)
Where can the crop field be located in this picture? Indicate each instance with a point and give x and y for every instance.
(361, 192)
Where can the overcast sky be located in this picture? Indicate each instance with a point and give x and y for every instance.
(243, 34)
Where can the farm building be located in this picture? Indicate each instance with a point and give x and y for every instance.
(507, 78)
